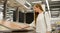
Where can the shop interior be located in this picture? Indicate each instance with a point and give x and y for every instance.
(14, 13)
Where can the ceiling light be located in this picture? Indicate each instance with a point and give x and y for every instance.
(37, 2)
(55, 0)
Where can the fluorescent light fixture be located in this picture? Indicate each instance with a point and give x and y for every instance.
(28, 3)
(21, 1)
(24, 3)
(37, 2)
(26, 7)
(55, 0)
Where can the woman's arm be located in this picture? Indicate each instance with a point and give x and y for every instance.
(32, 24)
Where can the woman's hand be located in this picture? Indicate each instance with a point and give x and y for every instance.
(48, 32)
(24, 26)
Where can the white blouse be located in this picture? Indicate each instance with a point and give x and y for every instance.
(41, 24)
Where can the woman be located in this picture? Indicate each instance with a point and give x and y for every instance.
(42, 25)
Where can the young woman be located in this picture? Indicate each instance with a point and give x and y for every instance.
(42, 24)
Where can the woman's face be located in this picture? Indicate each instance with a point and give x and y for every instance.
(36, 9)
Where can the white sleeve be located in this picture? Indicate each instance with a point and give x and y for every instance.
(32, 24)
(48, 22)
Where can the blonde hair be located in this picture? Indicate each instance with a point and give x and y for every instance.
(36, 14)
(38, 5)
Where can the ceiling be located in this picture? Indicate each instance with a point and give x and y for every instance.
(13, 4)
(20, 3)
(30, 1)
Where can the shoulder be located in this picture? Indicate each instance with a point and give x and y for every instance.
(46, 13)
